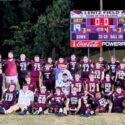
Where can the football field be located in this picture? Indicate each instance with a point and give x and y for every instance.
(100, 119)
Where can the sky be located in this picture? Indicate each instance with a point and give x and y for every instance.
(95, 4)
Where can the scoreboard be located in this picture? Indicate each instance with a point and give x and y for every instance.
(92, 28)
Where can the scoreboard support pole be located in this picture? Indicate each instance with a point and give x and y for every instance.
(114, 51)
(101, 51)
(88, 52)
(101, 9)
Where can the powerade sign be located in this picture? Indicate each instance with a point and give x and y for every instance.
(113, 44)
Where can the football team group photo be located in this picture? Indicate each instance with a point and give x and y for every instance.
(62, 62)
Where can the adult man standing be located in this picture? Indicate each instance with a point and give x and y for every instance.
(10, 69)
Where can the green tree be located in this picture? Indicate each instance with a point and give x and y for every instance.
(52, 29)
(21, 40)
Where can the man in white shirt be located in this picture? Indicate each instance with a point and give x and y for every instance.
(26, 97)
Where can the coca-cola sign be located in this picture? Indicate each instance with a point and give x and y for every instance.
(85, 44)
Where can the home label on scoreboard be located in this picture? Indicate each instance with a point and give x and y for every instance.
(97, 26)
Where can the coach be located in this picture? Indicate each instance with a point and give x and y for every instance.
(10, 69)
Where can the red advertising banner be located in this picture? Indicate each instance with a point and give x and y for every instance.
(85, 44)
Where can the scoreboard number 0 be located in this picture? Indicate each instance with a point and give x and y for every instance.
(104, 21)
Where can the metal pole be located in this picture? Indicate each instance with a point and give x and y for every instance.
(88, 52)
(101, 9)
(114, 52)
(101, 5)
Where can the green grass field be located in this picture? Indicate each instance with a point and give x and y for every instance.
(100, 119)
(108, 53)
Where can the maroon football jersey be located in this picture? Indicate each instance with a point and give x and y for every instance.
(85, 102)
(73, 101)
(112, 68)
(47, 74)
(92, 86)
(121, 73)
(118, 98)
(107, 86)
(36, 68)
(9, 98)
(73, 66)
(98, 72)
(78, 85)
(85, 69)
(10, 68)
(57, 98)
(102, 64)
(102, 103)
(41, 99)
(22, 66)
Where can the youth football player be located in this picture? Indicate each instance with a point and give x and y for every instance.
(102, 62)
(102, 104)
(57, 102)
(29, 83)
(40, 102)
(107, 87)
(78, 83)
(92, 84)
(86, 66)
(9, 97)
(120, 76)
(22, 64)
(98, 71)
(86, 109)
(118, 98)
(48, 77)
(112, 66)
(73, 65)
(73, 102)
(36, 67)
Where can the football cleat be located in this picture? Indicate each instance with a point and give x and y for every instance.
(24, 112)
(2, 110)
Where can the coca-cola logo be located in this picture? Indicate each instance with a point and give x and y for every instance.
(86, 44)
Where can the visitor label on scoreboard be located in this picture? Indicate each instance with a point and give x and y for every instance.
(97, 25)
